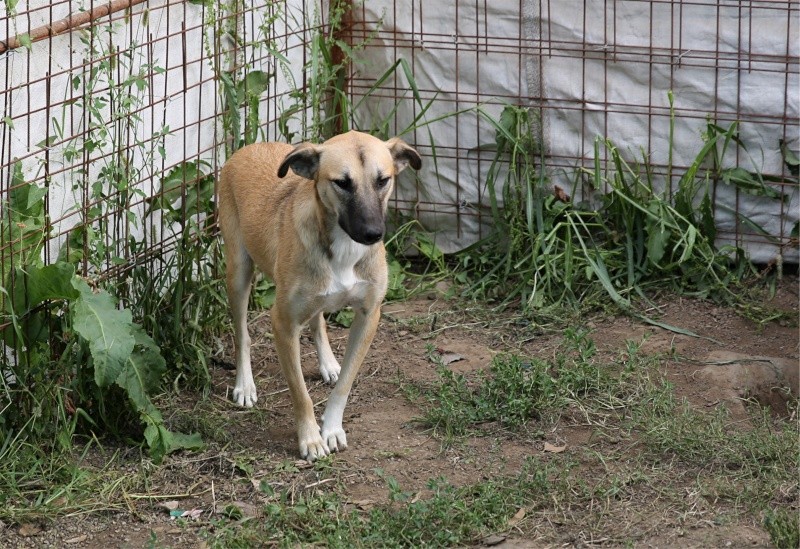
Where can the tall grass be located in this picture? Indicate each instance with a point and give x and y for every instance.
(548, 249)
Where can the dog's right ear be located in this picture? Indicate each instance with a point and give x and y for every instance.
(304, 161)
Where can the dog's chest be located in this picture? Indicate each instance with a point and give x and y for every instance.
(344, 287)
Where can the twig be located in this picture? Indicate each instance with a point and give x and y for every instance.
(323, 481)
(67, 24)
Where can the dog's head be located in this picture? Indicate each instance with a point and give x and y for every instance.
(354, 174)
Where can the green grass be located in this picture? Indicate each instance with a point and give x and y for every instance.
(517, 390)
(660, 442)
(618, 236)
(446, 516)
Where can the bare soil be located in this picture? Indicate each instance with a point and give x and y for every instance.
(732, 358)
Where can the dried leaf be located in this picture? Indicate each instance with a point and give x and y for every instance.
(364, 504)
(169, 505)
(192, 513)
(553, 448)
(494, 539)
(77, 539)
(560, 194)
(518, 516)
(449, 358)
(28, 529)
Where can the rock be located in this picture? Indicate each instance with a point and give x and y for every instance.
(771, 381)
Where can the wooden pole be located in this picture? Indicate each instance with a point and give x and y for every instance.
(69, 23)
(334, 107)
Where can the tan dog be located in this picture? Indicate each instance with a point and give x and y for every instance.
(318, 236)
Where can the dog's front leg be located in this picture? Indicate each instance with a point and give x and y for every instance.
(362, 331)
(287, 343)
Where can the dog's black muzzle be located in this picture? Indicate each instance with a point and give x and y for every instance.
(363, 222)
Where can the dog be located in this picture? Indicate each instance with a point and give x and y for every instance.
(317, 233)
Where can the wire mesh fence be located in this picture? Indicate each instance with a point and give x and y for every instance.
(589, 69)
(116, 116)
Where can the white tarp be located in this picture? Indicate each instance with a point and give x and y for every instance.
(597, 69)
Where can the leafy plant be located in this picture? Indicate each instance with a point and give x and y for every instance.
(516, 390)
(783, 527)
(448, 516)
(50, 304)
(547, 249)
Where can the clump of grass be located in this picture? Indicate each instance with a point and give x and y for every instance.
(783, 527)
(516, 390)
(449, 516)
(748, 464)
(548, 249)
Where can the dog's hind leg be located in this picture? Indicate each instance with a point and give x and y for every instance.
(328, 365)
(239, 279)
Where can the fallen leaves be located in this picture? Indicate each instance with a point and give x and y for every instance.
(518, 516)
(553, 449)
(28, 529)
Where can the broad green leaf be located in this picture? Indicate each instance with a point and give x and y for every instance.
(72, 248)
(708, 227)
(345, 317)
(143, 369)
(161, 440)
(34, 285)
(107, 329)
(25, 198)
(47, 142)
(25, 40)
(189, 174)
(254, 84)
(747, 182)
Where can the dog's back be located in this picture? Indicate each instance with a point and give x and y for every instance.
(250, 196)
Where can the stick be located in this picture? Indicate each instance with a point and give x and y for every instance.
(67, 24)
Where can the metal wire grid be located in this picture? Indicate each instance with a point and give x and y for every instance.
(52, 101)
(471, 45)
(175, 43)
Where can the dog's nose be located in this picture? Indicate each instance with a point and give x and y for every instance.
(371, 236)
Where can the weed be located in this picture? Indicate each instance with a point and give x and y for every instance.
(783, 527)
(547, 249)
(516, 390)
(448, 516)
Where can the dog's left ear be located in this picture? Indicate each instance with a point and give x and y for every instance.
(304, 161)
(403, 155)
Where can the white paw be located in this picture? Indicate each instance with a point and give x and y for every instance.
(244, 394)
(312, 447)
(330, 370)
(334, 438)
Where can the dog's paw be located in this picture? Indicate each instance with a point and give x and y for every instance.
(334, 438)
(244, 394)
(312, 448)
(330, 370)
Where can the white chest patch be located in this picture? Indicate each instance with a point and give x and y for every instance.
(344, 286)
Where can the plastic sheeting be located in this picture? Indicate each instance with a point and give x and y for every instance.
(590, 69)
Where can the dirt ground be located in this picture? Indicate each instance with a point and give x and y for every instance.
(712, 370)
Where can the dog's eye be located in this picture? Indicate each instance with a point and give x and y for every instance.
(382, 182)
(345, 183)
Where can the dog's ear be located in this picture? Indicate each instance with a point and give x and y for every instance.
(304, 161)
(403, 155)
